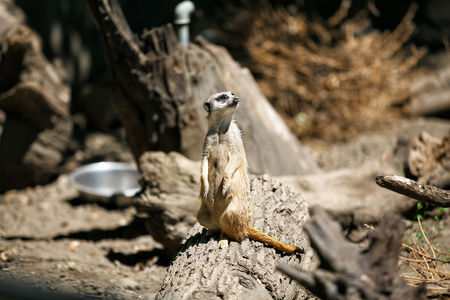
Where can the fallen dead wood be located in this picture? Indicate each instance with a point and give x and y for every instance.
(434, 102)
(408, 187)
(35, 124)
(346, 271)
(349, 194)
(245, 270)
(430, 93)
(170, 197)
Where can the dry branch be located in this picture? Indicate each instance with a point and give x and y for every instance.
(426, 193)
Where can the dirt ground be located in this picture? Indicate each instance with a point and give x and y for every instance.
(54, 242)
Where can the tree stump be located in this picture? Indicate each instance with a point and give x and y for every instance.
(160, 85)
(35, 125)
(245, 270)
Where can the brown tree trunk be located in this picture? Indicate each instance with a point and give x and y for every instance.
(160, 85)
(35, 125)
(245, 270)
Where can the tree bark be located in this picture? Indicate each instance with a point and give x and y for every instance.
(35, 125)
(346, 271)
(160, 85)
(245, 270)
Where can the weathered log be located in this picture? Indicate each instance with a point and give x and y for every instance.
(430, 93)
(159, 86)
(348, 272)
(349, 192)
(426, 193)
(36, 125)
(434, 102)
(245, 270)
(170, 197)
(429, 160)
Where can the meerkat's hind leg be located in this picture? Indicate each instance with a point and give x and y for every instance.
(223, 243)
(205, 219)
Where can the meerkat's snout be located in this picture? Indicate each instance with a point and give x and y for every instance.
(235, 101)
(207, 106)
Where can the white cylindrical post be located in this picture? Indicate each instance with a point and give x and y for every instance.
(182, 18)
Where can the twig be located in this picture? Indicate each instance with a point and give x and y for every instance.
(340, 14)
(445, 261)
(426, 193)
(426, 268)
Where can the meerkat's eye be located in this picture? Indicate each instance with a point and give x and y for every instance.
(232, 94)
(222, 97)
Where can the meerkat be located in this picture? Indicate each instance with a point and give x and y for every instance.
(224, 183)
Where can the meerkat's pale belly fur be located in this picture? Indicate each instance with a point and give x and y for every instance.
(231, 213)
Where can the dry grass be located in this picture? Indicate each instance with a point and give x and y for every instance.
(428, 267)
(330, 79)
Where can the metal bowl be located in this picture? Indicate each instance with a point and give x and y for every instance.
(106, 180)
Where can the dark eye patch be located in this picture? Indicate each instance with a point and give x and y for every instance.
(222, 97)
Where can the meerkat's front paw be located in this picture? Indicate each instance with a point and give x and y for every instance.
(225, 187)
(205, 190)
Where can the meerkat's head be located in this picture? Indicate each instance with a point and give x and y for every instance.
(223, 102)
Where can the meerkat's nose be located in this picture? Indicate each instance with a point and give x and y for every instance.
(236, 99)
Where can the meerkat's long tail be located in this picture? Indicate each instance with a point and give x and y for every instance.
(264, 238)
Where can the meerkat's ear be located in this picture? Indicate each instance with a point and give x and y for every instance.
(207, 106)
